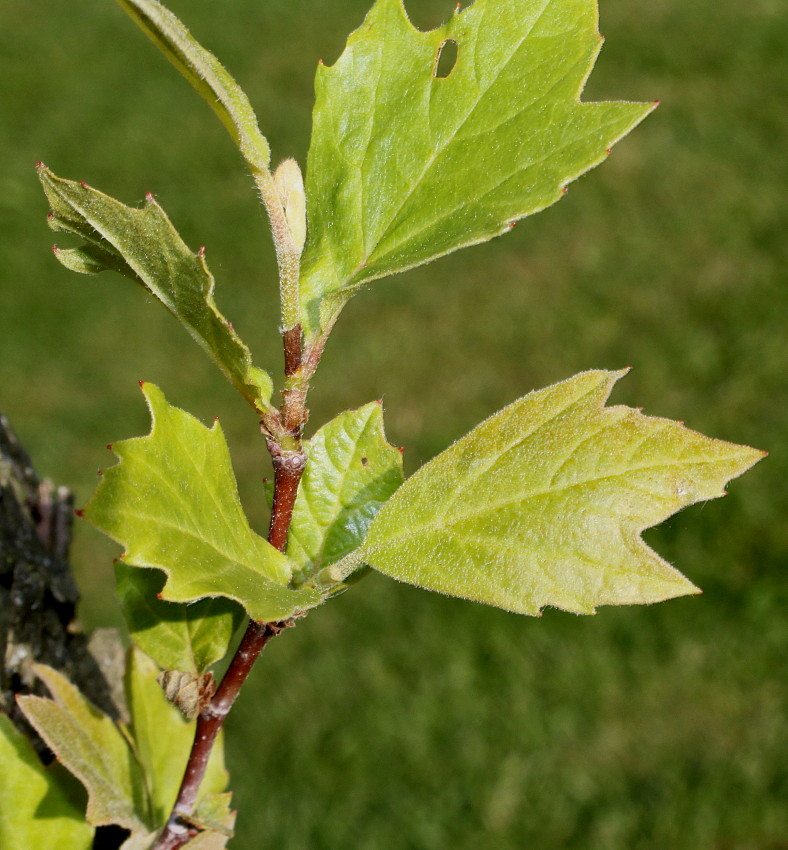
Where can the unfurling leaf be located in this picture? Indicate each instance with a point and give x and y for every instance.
(177, 637)
(188, 692)
(406, 165)
(351, 473)
(36, 810)
(173, 503)
(94, 749)
(163, 739)
(206, 74)
(143, 245)
(544, 504)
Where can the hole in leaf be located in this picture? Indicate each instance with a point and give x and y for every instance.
(445, 59)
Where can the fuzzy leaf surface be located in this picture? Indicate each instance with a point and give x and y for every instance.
(173, 503)
(163, 740)
(35, 809)
(544, 504)
(176, 636)
(352, 471)
(94, 749)
(207, 76)
(405, 166)
(141, 244)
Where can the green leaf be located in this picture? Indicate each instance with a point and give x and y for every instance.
(35, 807)
(173, 503)
(544, 503)
(178, 637)
(93, 748)
(142, 244)
(206, 74)
(351, 472)
(163, 740)
(405, 166)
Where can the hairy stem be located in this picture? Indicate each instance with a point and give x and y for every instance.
(288, 254)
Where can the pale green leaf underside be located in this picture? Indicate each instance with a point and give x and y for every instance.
(35, 811)
(352, 471)
(93, 748)
(544, 504)
(173, 503)
(405, 167)
(206, 74)
(163, 739)
(177, 636)
(142, 244)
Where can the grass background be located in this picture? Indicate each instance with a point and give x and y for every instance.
(395, 719)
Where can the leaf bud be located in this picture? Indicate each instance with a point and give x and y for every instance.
(290, 186)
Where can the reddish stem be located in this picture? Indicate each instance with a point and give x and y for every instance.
(288, 468)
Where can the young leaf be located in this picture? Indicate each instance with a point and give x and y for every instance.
(178, 637)
(94, 749)
(173, 503)
(142, 244)
(405, 165)
(163, 740)
(206, 74)
(351, 473)
(35, 808)
(544, 503)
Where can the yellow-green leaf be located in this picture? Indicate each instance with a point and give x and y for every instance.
(163, 739)
(93, 748)
(142, 244)
(178, 637)
(351, 472)
(206, 74)
(405, 165)
(173, 503)
(36, 810)
(544, 504)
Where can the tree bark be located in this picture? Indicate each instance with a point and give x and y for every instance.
(38, 596)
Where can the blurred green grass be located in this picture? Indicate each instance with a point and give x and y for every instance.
(394, 719)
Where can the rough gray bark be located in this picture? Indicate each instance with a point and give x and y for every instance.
(38, 596)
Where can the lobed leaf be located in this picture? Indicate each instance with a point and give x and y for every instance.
(544, 504)
(352, 471)
(178, 637)
(163, 740)
(172, 502)
(142, 245)
(405, 166)
(206, 75)
(94, 749)
(36, 809)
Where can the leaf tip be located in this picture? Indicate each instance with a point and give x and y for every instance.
(149, 197)
(564, 190)
(83, 184)
(201, 253)
(40, 165)
(79, 512)
(109, 446)
(99, 472)
(55, 249)
(142, 384)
